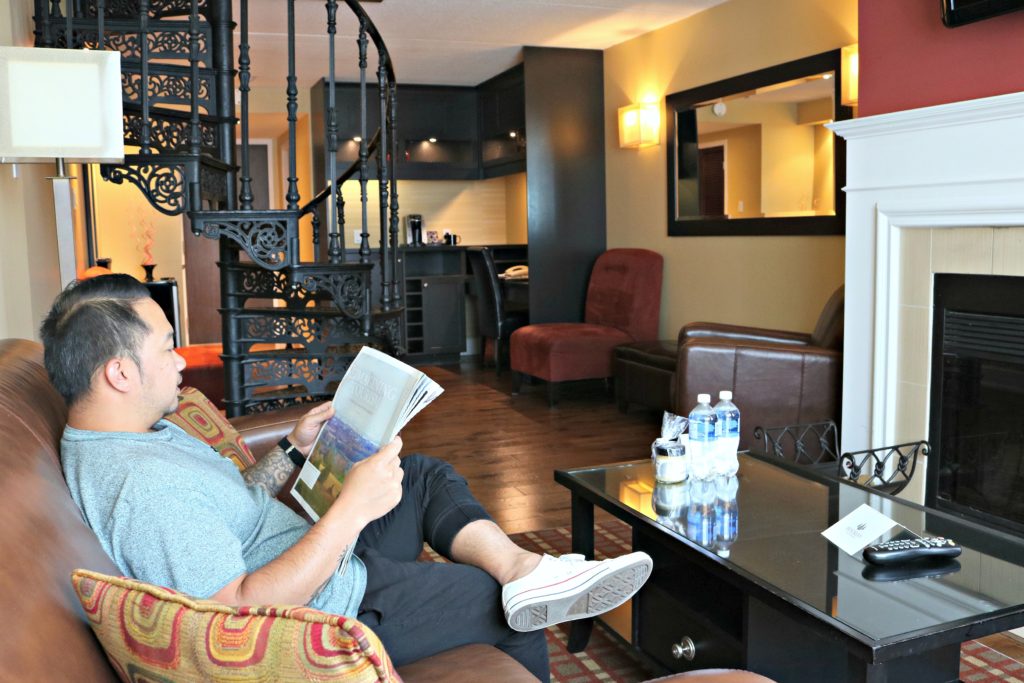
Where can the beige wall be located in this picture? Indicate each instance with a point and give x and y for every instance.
(771, 281)
(28, 242)
(473, 209)
(515, 209)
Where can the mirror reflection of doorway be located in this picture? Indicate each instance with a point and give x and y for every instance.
(712, 181)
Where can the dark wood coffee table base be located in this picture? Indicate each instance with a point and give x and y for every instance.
(733, 625)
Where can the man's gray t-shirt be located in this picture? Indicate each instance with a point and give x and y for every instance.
(169, 510)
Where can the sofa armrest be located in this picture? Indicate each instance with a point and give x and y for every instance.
(262, 431)
(739, 333)
(773, 384)
(467, 664)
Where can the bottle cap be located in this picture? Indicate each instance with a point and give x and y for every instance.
(725, 395)
(703, 398)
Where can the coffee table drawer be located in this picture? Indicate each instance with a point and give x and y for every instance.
(692, 585)
(669, 632)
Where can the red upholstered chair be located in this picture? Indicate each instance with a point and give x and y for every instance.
(204, 370)
(623, 305)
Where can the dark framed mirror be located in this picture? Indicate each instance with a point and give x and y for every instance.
(750, 155)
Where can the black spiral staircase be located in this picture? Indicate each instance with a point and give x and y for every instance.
(289, 328)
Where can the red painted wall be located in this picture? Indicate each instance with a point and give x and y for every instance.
(909, 59)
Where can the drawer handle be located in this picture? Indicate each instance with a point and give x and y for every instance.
(684, 649)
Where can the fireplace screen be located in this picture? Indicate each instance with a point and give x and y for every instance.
(976, 467)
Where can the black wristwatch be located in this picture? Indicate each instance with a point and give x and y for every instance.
(291, 451)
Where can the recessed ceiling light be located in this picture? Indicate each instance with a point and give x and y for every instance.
(511, 133)
(357, 139)
(431, 139)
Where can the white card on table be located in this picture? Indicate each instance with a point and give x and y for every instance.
(858, 529)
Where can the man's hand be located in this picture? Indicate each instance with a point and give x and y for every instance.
(374, 486)
(304, 434)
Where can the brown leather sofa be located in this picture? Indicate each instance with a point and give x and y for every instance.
(777, 377)
(43, 538)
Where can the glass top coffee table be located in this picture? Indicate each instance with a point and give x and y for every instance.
(743, 578)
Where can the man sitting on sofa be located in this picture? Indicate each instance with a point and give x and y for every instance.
(170, 511)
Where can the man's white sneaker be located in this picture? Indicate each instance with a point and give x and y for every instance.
(571, 587)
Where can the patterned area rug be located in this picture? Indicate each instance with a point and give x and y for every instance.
(607, 659)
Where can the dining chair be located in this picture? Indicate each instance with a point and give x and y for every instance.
(495, 319)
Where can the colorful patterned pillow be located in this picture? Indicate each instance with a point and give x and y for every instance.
(156, 634)
(200, 418)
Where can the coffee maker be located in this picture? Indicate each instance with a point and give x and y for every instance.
(414, 229)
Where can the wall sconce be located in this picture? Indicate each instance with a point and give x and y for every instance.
(850, 58)
(639, 125)
(87, 128)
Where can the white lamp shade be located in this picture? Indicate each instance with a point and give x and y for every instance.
(60, 103)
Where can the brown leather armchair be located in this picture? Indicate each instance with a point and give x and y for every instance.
(777, 377)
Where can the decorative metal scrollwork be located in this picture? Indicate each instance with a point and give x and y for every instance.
(255, 407)
(390, 330)
(168, 135)
(265, 240)
(264, 283)
(157, 8)
(213, 183)
(162, 184)
(171, 41)
(166, 88)
(318, 332)
(347, 290)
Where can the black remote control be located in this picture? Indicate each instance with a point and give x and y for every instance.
(902, 550)
(920, 569)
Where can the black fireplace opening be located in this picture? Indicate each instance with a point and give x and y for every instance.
(976, 421)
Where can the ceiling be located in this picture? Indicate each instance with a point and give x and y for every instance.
(448, 42)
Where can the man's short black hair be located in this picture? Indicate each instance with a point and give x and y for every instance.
(90, 322)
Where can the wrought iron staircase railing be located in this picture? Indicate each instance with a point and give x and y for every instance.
(289, 327)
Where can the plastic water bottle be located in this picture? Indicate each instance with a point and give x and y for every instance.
(700, 515)
(702, 438)
(727, 520)
(727, 435)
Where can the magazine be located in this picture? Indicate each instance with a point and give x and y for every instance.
(376, 398)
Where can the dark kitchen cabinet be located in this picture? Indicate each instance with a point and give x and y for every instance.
(436, 130)
(503, 124)
(435, 303)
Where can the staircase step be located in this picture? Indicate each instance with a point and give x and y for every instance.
(168, 84)
(269, 236)
(168, 38)
(158, 9)
(165, 179)
(170, 130)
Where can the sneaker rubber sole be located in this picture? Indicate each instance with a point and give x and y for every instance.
(588, 597)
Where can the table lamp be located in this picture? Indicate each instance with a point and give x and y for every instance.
(60, 105)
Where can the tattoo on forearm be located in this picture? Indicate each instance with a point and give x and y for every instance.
(271, 472)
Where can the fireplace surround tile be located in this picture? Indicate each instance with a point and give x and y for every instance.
(1008, 252)
(915, 334)
(911, 412)
(962, 250)
(915, 267)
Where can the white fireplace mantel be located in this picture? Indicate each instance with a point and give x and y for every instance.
(956, 166)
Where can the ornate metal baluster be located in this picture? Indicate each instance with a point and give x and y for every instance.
(144, 146)
(363, 199)
(42, 31)
(392, 159)
(292, 196)
(69, 35)
(382, 182)
(335, 251)
(316, 236)
(245, 197)
(101, 31)
(195, 139)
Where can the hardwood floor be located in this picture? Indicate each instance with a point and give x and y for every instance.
(508, 446)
